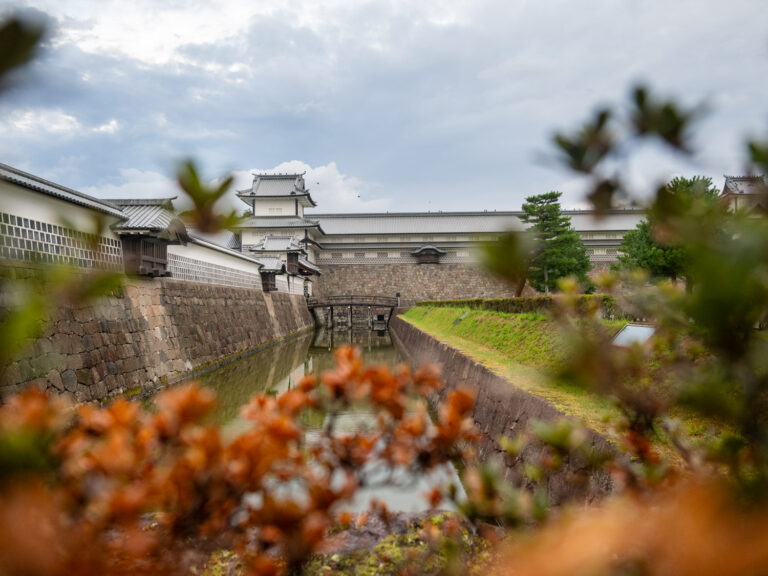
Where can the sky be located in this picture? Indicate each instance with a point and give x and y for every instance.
(388, 105)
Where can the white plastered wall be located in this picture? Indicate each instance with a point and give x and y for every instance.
(26, 203)
(276, 207)
(204, 254)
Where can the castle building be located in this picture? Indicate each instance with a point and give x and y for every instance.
(745, 193)
(417, 255)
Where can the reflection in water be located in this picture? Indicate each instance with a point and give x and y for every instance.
(279, 368)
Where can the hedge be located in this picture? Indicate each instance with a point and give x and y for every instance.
(533, 304)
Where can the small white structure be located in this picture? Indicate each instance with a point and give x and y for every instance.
(633, 334)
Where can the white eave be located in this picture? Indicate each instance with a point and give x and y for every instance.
(210, 245)
(37, 184)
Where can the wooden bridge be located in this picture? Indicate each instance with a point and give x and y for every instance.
(350, 301)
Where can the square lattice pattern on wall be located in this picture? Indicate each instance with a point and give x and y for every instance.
(34, 241)
(192, 270)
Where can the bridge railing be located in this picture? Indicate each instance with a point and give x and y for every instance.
(353, 300)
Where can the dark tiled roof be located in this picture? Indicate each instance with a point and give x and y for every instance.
(275, 243)
(277, 186)
(271, 263)
(37, 184)
(165, 202)
(428, 248)
(143, 217)
(745, 185)
(307, 265)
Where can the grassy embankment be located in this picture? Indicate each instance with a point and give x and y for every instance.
(524, 349)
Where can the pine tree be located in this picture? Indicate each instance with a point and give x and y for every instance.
(558, 251)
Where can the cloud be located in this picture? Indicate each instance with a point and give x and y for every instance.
(109, 128)
(41, 123)
(331, 190)
(443, 105)
(134, 183)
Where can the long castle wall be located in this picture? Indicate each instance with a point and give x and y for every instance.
(501, 409)
(155, 333)
(414, 282)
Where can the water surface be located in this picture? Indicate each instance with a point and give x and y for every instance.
(282, 366)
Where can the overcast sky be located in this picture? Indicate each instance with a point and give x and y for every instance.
(388, 105)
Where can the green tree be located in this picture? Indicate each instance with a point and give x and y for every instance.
(649, 246)
(558, 250)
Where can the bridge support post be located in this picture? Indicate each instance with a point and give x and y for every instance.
(330, 321)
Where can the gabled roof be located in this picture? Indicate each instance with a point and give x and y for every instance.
(145, 216)
(152, 217)
(277, 186)
(307, 265)
(275, 243)
(428, 248)
(751, 185)
(37, 184)
(271, 264)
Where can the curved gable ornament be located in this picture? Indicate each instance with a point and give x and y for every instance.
(428, 254)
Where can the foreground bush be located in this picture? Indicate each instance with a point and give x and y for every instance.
(119, 489)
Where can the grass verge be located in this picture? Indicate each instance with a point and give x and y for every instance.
(524, 349)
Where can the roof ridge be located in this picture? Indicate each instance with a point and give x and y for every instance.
(141, 201)
(41, 183)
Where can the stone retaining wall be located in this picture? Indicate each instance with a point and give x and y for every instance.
(157, 332)
(500, 410)
(414, 282)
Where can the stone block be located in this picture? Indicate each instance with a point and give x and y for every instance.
(69, 380)
(84, 377)
(111, 382)
(82, 393)
(88, 342)
(72, 362)
(98, 391)
(11, 374)
(26, 370)
(55, 380)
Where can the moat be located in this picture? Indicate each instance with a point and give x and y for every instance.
(280, 367)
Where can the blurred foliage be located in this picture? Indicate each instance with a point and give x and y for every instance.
(122, 489)
(606, 304)
(19, 41)
(653, 245)
(509, 257)
(205, 215)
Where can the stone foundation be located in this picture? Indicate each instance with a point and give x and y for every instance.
(414, 282)
(501, 410)
(157, 332)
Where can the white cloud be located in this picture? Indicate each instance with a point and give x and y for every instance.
(136, 184)
(108, 128)
(332, 190)
(41, 122)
